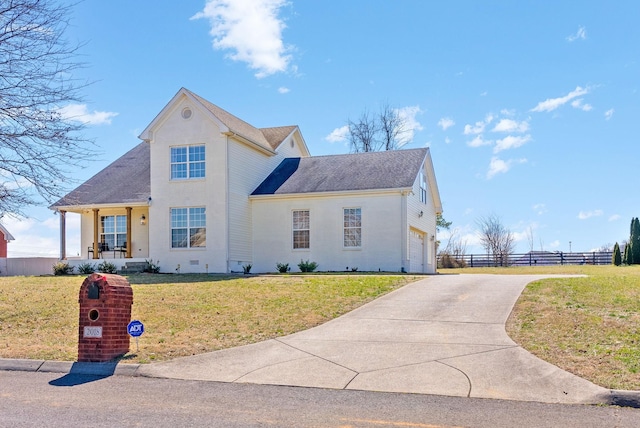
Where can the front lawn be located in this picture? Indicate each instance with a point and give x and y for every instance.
(183, 314)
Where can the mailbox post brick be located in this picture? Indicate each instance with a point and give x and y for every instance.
(105, 310)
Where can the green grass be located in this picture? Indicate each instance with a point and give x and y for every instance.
(588, 326)
(183, 314)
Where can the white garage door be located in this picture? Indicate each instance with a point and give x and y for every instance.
(416, 251)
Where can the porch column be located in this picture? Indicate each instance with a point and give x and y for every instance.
(63, 235)
(96, 255)
(128, 255)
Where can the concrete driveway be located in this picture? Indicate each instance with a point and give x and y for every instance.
(441, 335)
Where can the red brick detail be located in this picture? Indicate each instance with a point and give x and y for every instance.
(113, 308)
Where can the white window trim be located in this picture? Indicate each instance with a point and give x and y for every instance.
(187, 163)
(344, 229)
(188, 227)
(293, 230)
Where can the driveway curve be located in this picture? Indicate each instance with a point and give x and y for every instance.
(443, 335)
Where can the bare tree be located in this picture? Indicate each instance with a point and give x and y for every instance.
(363, 134)
(530, 238)
(372, 133)
(496, 239)
(37, 143)
(392, 125)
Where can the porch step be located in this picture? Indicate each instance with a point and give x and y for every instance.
(132, 267)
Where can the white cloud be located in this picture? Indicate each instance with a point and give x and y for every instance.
(338, 134)
(251, 30)
(551, 104)
(615, 217)
(578, 104)
(446, 123)
(283, 90)
(479, 126)
(478, 141)
(447, 140)
(608, 113)
(555, 244)
(583, 215)
(581, 34)
(510, 125)
(497, 166)
(411, 124)
(511, 142)
(80, 113)
(540, 208)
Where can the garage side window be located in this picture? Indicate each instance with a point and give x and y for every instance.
(352, 227)
(301, 229)
(188, 228)
(423, 188)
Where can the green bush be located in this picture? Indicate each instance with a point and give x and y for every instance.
(86, 268)
(107, 267)
(307, 266)
(283, 267)
(152, 267)
(246, 268)
(62, 268)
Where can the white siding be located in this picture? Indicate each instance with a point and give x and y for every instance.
(381, 233)
(425, 223)
(247, 169)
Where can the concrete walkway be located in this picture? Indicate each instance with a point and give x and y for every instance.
(442, 335)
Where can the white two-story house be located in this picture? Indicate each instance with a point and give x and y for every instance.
(207, 192)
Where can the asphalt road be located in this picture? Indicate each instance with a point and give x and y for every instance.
(30, 399)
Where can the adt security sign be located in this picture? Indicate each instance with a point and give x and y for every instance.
(135, 328)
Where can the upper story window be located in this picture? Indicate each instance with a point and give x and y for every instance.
(187, 162)
(188, 227)
(352, 227)
(301, 229)
(423, 188)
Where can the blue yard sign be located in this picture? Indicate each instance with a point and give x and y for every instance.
(135, 328)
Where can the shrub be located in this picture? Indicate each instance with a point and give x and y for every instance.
(86, 268)
(283, 267)
(617, 256)
(450, 261)
(152, 267)
(107, 267)
(307, 266)
(62, 268)
(246, 268)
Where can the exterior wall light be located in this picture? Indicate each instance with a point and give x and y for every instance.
(143, 220)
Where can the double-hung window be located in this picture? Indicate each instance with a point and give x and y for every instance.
(352, 227)
(301, 229)
(188, 228)
(187, 162)
(114, 231)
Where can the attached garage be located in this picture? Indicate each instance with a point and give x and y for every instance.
(416, 251)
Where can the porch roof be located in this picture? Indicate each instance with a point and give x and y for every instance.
(125, 181)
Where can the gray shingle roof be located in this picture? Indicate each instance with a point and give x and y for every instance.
(269, 138)
(361, 171)
(126, 180)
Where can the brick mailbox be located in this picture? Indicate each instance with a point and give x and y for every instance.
(105, 310)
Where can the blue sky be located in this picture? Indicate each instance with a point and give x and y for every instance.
(529, 107)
